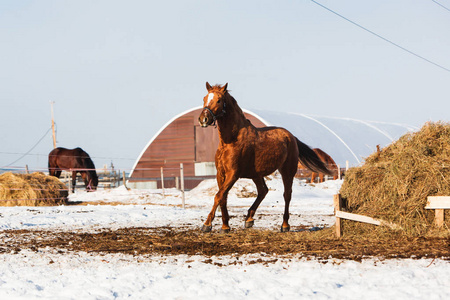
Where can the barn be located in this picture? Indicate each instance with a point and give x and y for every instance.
(182, 140)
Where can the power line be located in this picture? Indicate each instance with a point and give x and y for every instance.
(379, 36)
(40, 154)
(441, 5)
(25, 154)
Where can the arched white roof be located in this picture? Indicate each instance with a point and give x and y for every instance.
(344, 139)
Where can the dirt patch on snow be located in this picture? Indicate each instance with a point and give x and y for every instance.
(173, 241)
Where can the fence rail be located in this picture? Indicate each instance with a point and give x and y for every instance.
(339, 205)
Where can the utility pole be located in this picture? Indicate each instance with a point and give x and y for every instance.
(53, 125)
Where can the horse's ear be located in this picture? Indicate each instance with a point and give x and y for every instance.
(208, 86)
(224, 88)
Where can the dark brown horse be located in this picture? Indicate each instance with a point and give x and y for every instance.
(329, 162)
(248, 152)
(75, 160)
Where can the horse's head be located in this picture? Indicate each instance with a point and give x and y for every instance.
(213, 105)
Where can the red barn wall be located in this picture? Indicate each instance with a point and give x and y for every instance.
(182, 141)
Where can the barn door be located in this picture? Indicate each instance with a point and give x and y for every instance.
(206, 142)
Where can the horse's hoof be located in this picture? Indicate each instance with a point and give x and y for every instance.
(206, 228)
(249, 224)
(225, 230)
(285, 229)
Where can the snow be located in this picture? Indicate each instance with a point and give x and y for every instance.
(56, 274)
(88, 276)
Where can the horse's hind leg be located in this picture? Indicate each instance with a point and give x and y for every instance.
(313, 177)
(287, 182)
(54, 172)
(262, 192)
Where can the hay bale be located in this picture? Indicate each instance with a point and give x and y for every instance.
(394, 183)
(35, 189)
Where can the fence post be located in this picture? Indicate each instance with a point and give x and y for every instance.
(70, 182)
(438, 203)
(125, 180)
(162, 182)
(439, 217)
(337, 200)
(182, 184)
(26, 169)
(339, 172)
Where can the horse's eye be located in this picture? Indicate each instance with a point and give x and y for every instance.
(218, 101)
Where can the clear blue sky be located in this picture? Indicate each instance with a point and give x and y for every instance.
(119, 70)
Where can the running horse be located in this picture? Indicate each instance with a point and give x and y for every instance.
(329, 162)
(248, 152)
(75, 160)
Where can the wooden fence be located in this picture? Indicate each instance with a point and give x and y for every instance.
(106, 179)
(340, 214)
(438, 203)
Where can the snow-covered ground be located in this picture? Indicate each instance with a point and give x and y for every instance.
(310, 206)
(50, 274)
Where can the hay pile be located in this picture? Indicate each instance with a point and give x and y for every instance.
(394, 183)
(35, 189)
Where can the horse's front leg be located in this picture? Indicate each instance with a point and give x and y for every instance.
(225, 215)
(86, 181)
(220, 199)
(74, 180)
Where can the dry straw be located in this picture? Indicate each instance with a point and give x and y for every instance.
(35, 189)
(394, 182)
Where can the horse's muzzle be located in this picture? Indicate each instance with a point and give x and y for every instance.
(205, 119)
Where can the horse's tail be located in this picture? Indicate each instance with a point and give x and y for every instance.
(310, 159)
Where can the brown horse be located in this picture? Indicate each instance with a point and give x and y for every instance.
(329, 162)
(248, 152)
(75, 160)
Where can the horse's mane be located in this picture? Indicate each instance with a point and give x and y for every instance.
(87, 162)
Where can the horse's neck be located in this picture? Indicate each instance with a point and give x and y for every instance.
(232, 122)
